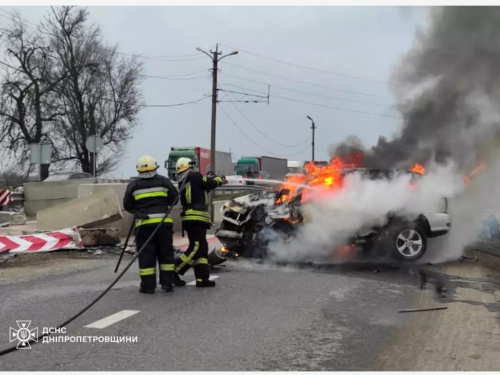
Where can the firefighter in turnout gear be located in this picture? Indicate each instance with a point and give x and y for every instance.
(196, 221)
(149, 198)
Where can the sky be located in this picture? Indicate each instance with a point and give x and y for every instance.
(358, 47)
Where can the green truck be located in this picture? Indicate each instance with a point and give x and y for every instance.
(262, 167)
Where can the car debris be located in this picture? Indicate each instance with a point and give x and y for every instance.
(424, 309)
(251, 222)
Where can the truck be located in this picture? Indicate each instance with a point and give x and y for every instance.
(295, 167)
(201, 157)
(253, 166)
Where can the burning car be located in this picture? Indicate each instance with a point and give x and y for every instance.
(251, 222)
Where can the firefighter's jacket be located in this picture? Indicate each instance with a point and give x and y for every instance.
(152, 197)
(194, 197)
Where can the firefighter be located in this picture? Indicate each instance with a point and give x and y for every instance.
(195, 220)
(148, 198)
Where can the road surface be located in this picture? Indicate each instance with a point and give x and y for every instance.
(257, 318)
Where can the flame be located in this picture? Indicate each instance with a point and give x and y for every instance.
(478, 168)
(322, 178)
(418, 168)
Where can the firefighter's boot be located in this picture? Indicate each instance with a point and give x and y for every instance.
(205, 283)
(167, 288)
(178, 281)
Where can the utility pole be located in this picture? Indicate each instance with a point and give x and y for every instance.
(313, 127)
(214, 56)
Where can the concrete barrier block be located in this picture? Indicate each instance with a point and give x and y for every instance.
(39, 191)
(93, 211)
(123, 225)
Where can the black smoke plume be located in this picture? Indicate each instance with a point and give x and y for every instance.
(447, 89)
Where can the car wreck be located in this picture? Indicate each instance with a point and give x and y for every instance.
(250, 223)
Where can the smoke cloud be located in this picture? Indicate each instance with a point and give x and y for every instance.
(361, 204)
(447, 88)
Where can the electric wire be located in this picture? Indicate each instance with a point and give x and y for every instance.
(314, 69)
(193, 56)
(336, 108)
(250, 138)
(304, 82)
(264, 134)
(82, 311)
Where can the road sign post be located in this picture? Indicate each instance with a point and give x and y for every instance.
(41, 153)
(94, 144)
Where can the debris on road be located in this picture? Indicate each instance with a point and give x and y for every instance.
(68, 238)
(424, 309)
(12, 218)
(93, 211)
(100, 236)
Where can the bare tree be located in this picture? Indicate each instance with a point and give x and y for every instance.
(100, 94)
(63, 84)
(27, 106)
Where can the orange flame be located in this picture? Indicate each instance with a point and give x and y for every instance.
(327, 178)
(418, 168)
(478, 168)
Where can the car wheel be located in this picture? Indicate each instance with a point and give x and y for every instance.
(409, 242)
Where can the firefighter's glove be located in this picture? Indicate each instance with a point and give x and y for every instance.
(220, 180)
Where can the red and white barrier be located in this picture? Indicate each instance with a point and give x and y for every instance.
(68, 238)
(5, 197)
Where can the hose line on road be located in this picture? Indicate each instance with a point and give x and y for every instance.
(34, 341)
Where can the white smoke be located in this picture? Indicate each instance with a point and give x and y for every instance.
(468, 210)
(363, 203)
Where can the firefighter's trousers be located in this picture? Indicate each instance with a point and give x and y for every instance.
(159, 248)
(196, 254)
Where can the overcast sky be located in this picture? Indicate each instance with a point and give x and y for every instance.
(364, 42)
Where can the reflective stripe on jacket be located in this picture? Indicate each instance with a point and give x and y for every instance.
(194, 197)
(151, 197)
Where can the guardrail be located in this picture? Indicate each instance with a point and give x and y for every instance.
(17, 203)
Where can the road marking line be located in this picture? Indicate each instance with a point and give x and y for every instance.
(193, 283)
(112, 319)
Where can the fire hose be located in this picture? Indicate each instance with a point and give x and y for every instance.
(36, 340)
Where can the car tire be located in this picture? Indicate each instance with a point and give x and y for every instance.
(408, 242)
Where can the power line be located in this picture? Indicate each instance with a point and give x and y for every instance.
(336, 108)
(174, 105)
(325, 106)
(194, 56)
(314, 69)
(175, 78)
(242, 132)
(300, 151)
(303, 82)
(323, 96)
(264, 134)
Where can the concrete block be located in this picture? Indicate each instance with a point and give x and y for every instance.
(32, 207)
(13, 218)
(93, 211)
(38, 191)
(5, 217)
(87, 190)
(18, 219)
(100, 236)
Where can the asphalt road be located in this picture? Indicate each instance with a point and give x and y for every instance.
(257, 318)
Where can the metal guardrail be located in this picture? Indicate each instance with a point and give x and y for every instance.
(18, 196)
